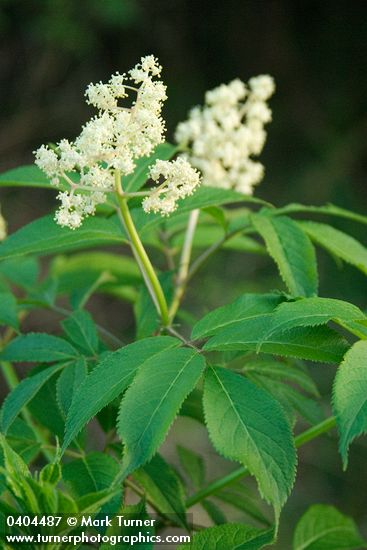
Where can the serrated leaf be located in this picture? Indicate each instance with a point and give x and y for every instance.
(292, 251)
(50, 417)
(23, 393)
(274, 377)
(81, 330)
(94, 472)
(248, 306)
(137, 179)
(323, 527)
(23, 440)
(93, 502)
(337, 243)
(38, 347)
(291, 399)
(193, 407)
(247, 425)
(232, 536)
(313, 343)
(193, 466)
(109, 379)
(152, 402)
(283, 371)
(163, 488)
(8, 310)
(68, 383)
(44, 236)
(313, 311)
(350, 397)
(328, 209)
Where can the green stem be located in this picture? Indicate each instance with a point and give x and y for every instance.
(142, 257)
(183, 271)
(220, 483)
(200, 260)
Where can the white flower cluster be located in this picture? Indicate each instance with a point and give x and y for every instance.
(113, 139)
(224, 135)
(179, 180)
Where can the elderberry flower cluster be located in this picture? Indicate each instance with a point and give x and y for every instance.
(112, 140)
(176, 179)
(224, 135)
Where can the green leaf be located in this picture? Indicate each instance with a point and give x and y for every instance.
(232, 536)
(25, 176)
(38, 347)
(247, 425)
(214, 512)
(163, 488)
(68, 383)
(23, 393)
(44, 236)
(193, 465)
(292, 251)
(109, 379)
(328, 209)
(23, 440)
(137, 179)
(239, 498)
(152, 402)
(22, 272)
(93, 502)
(50, 417)
(83, 269)
(248, 306)
(337, 243)
(313, 343)
(274, 377)
(323, 527)
(350, 397)
(81, 330)
(291, 399)
(313, 311)
(283, 371)
(193, 406)
(8, 310)
(92, 473)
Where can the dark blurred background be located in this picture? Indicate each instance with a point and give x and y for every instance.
(316, 150)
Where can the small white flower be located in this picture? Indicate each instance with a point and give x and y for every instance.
(180, 180)
(47, 161)
(222, 136)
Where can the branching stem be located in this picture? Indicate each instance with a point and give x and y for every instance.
(182, 276)
(148, 272)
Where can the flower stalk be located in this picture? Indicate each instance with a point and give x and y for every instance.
(182, 276)
(145, 265)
